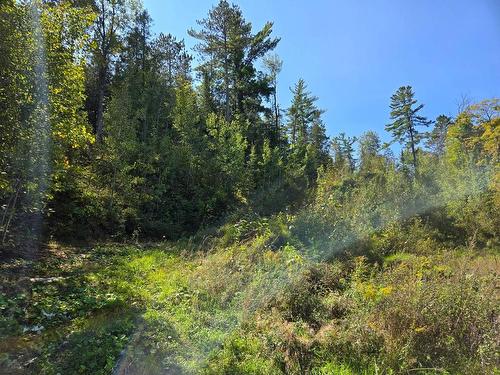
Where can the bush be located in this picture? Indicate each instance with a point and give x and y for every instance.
(432, 313)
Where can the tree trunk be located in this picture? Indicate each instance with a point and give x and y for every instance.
(412, 144)
(226, 78)
(226, 83)
(12, 212)
(100, 104)
(276, 114)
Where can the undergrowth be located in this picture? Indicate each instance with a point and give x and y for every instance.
(254, 301)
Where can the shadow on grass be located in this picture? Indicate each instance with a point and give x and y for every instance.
(81, 311)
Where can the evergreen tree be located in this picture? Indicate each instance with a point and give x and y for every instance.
(369, 148)
(302, 114)
(436, 138)
(343, 153)
(404, 112)
(229, 147)
(274, 64)
(171, 57)
(308, 140)
(230, 50)
(318, 138)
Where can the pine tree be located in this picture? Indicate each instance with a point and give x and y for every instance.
(436, 138)
(230, 50)
(171, 58)
(369, 148)
(343, 152)
(302, 114)
(404, 112)
(308, 140)
(274, 64)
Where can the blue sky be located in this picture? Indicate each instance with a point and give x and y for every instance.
(354, 54)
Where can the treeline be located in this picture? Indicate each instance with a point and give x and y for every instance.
(110, 131)
(446, 195)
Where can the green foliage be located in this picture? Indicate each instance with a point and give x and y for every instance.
(48, 133)
(307, 136)
(437, 137)
(406, 119)
(241, 355)
(343, 153)
(470, 180)
(291, 260)
(165, 156)
(302, 113)
(230, 51)
(255, 306)
(370, 159)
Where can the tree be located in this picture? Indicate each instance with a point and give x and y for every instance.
(185, 116)
(46, 134)
(302, 114)
(474, 135)
(316, 150)
(110, 22)
(136, 68)
(171, 57)
(343, 152)
(229, 146)
(404, 112)
(308, 140)
(369, 148)
(318, 138)
(274, 64)
(16, 104)
(469, 180)
(436, 138)
(230, 50)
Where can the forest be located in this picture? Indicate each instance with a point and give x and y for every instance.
(162, 212)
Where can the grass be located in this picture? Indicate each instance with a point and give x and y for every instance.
(247, 308)
(68, 311)
(81, 310)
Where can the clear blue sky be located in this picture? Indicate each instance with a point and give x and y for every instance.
(355, 53)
